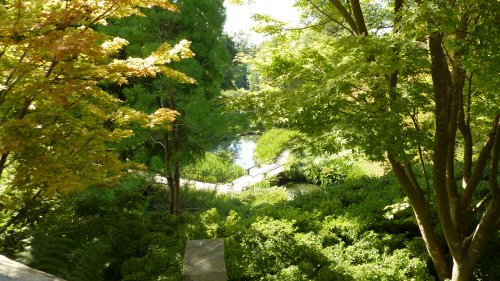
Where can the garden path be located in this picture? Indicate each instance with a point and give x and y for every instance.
(254, 176)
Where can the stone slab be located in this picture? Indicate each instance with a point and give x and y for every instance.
(14, 271)
(204, 261)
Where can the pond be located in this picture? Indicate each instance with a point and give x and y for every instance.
(245, 148)
(300, 187)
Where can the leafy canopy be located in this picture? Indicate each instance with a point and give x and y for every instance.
(55, 120)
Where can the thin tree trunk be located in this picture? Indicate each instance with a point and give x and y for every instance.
(171, 145)
(175, 151)
(463, 268)
(421, 212)
(168, 174)
(3, 161)
(177, 190)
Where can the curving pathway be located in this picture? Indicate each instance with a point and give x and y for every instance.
(254, 176)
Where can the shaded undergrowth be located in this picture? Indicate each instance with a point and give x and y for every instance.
(357, 230)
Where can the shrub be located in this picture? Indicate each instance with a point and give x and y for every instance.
(213, 168)
(325, 171)
(331, 233)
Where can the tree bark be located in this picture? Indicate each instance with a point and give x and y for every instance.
(170, 139)
(347, 17)
(465, 238)
(463, 268)
(3, 161)
(359, 18)
(444, 140)
(421, 212)
(168, 174)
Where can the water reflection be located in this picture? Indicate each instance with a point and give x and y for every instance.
(245, 148)
(300, 187)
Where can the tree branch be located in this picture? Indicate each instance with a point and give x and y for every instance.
(414, 118)
(330, 17)
(358, 17)
(444, 140)
(421, 211)
(309, 26)
(464, 127)
(480, 164)
(485, 227)
(495, 189)
(413, 179)
(482, 202)
(345, 14)
(3, 160)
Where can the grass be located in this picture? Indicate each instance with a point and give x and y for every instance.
(213, 168)
(272, 143)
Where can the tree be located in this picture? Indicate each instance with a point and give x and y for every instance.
(236, 75)
(409, 81)
(56, 123)
(201, 125)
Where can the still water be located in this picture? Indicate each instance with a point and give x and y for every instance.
(245, 148)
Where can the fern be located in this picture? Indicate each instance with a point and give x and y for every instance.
(49, 252)
(88, 262)
(60, 253)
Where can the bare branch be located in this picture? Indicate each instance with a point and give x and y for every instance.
(414, 118)
(156, 142)
(308, 26)
(330, 17)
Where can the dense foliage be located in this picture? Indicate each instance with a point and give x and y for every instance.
(213, 168)
(200, 125)
(326, 170)
(57, 125)
(333, 233)
(55, 121)
(411, 82)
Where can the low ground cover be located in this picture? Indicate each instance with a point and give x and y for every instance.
(359, 229)
(272, 143)
(213, 168)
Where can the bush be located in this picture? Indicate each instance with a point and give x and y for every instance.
(213, 168)
(331, 233)
(325, 171)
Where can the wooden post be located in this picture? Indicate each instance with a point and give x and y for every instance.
(204, 261)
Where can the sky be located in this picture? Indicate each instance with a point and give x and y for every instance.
(238, 17)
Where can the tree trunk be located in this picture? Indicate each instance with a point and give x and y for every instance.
(3, 161)
(421, 212)
(175, 172)
(462, 271)
(177, 190)
(168, 175)
(465, 238)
